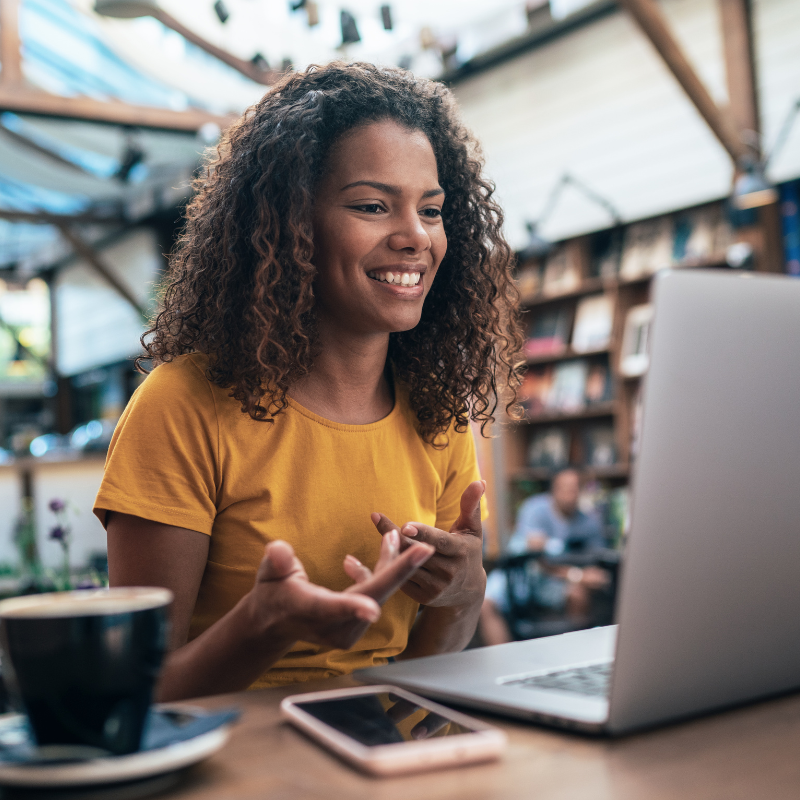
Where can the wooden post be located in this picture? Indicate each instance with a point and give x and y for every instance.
(10, 57)
(737, 38)
(738, 48)
(651, 20)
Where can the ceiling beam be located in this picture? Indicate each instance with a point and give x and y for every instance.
(653, 23)
(247, 68)
(30, 101)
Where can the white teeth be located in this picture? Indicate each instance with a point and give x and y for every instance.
(397, 278)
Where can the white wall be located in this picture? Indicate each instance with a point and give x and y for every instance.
(95, 325)
(601, 104)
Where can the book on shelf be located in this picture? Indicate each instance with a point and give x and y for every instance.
(535, 389)
(594, 319)
(599, 389)
(647, 248)
(529, 280)
(636, 422)
(549, 448)
(599, 446)
(605, 251)
(569, 387)
(562, 272)
(634, 355)
(549, 333)
(568, 390)
(701, 236)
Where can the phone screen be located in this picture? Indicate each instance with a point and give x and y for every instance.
(382, 718)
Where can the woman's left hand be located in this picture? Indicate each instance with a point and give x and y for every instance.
(454, 574)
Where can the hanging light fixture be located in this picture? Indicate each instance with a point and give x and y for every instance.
(222, 11)
(538, 246)
(350, 33)
(752, 189)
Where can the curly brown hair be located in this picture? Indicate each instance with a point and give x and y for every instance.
(241, 281)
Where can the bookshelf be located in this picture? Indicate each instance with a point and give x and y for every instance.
(567, 422)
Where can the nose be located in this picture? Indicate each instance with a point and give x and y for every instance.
(410, 234)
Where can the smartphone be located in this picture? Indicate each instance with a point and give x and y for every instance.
(384, 730)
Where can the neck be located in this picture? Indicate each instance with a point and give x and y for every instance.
(348, 382)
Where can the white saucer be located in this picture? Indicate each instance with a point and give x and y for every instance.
(116, 769)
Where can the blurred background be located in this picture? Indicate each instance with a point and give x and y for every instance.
(624, 137)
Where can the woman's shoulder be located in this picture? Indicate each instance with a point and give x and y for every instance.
(181, 373)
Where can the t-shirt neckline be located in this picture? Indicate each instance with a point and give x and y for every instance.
(341, 426)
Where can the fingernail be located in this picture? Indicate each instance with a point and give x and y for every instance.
(369, 614)
(353, 560)
(410, 531)
(394, 539)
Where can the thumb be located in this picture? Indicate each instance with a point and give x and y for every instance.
(278, 563)
(470, 517)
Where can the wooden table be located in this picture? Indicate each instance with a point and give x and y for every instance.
(751, 753)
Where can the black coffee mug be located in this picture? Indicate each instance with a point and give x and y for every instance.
(83, 665)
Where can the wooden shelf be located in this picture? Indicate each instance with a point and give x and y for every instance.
(564, 356)
(594, 285)
(588, 286)
(592, 412)
(614, 471)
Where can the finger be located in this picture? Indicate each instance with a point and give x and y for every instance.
(445, 543)
(279, 562)
(469, 520)
(324, 606)
(383, 523)
(390, 547)
(356, 570)
(433, 723)
(401, 710)
(394, 574)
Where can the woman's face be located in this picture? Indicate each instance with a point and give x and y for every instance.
(378, 232)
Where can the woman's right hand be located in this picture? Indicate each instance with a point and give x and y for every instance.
(287, 606)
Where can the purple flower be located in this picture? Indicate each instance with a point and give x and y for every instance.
(57, 505)
(58, 533)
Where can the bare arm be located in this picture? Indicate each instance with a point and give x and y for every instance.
(282, 607)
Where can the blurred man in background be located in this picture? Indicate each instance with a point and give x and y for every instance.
(552, 525)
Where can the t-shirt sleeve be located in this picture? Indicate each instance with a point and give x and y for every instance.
(462, 469)
(162, 464)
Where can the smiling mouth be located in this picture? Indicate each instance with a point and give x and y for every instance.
(396, 278)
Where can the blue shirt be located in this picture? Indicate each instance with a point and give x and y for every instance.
(538, 514)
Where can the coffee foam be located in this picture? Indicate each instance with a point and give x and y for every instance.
(85, 603)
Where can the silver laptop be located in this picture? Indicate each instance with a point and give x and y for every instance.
(709, 604)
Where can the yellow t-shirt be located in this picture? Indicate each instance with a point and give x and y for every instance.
(185, 454)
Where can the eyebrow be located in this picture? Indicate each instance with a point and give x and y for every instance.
(388, 189)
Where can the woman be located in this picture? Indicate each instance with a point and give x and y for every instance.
(313, 389)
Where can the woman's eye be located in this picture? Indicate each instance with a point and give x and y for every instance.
(432, 213)
(370, 208)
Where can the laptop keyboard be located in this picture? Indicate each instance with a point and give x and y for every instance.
(593, 680)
